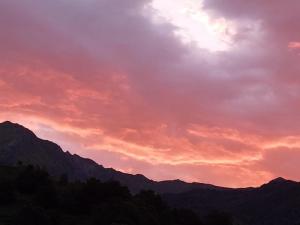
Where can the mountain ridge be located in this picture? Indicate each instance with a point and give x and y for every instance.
(276, 202)
(18, 143)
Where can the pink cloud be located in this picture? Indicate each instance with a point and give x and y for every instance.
(294, 45)
(103, 80)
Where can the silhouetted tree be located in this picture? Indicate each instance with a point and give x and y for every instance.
(151, 200)
(40, 199)
(186, 217)
(30, 215)
(218, 218)
(63, 180)
(31, 179)
(7, 194)
(46, 196)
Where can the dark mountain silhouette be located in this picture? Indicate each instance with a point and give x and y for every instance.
(19, 144)
(274, 203)
(29, 196)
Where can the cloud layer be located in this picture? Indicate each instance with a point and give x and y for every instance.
(105, 79)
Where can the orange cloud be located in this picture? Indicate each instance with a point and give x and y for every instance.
(294, 45)
(140, 100)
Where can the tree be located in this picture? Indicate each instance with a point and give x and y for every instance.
(219, 218)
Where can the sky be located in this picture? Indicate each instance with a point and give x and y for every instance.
(203, 91)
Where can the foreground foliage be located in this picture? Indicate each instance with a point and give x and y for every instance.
(29, 196)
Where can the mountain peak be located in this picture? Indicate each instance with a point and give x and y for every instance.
(10, 130)
(8, 123)
(18, 143)
(279, 180)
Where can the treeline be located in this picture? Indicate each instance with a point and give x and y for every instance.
(29, 196)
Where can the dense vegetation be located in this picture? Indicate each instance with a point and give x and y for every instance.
(29, 196)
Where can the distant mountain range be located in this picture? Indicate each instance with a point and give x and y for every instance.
(274, 203)
(18, 143)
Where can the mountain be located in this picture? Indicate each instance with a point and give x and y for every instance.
(18, 143)
(274, 203)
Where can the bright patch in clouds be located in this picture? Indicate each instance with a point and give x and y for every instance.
(216, 102)
(194, 25)
(294, 45)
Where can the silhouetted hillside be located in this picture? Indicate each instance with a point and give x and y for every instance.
(17, 143)
(274, 203)
(29, 196)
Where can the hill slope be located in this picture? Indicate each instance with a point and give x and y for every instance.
(274, 203)
(18, 143)
(29, 196)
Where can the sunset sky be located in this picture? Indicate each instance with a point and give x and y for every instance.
(205, 91)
